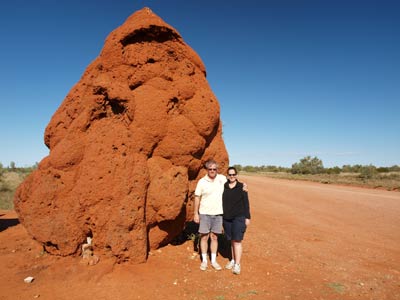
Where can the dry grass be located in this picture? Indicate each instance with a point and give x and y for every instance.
(388, 181)
(9, 181)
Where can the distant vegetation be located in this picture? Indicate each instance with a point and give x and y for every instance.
(312, 168)
(10, 178)
(308, 168)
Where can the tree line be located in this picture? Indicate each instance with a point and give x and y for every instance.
(314, 165)
(13, 168)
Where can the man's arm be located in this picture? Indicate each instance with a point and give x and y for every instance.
(196, 217)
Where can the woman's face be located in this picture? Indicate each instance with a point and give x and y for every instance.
(232, 175)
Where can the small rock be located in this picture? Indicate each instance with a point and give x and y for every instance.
(36, 296)
(28, 279)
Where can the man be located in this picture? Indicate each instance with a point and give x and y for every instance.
(208, 212)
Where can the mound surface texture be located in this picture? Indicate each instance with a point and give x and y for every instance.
(127, 146)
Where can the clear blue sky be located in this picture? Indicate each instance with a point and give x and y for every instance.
(293, 78)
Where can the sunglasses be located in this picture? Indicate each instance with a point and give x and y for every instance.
(212, 169)
(231, 174)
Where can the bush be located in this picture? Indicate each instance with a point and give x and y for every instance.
(368, 172)
(308, 165)
(5, 186)
(334, 170)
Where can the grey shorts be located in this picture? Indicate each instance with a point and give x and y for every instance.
(210, 223)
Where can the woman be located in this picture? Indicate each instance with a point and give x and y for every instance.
(236, 217)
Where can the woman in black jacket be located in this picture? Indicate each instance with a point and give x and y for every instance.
(236, 208)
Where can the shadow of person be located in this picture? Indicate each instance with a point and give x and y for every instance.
(6, 223)
(224, 247)
(189, 233)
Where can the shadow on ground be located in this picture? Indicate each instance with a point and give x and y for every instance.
(191, 233)
(6, 223)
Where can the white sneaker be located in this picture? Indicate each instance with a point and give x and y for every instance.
(236, 269)
(230, 265)
(203, 266)
(216, 266)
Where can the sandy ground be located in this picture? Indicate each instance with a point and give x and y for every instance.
(306, 241)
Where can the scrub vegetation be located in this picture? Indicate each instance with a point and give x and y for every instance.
(312, 169)
(10, 178)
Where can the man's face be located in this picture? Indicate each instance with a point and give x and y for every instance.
(212, 171)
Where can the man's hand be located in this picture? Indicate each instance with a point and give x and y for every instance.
(245, 187)
(247, 221)
(196, 218)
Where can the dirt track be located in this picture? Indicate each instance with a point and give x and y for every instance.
(306, 241)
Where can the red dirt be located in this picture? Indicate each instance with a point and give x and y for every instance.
(306, 241)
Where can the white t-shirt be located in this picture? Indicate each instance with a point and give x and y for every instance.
(210, 193)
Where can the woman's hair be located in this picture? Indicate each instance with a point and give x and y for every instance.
(232, 168)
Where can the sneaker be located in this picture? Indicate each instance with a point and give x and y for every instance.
(216, 266)
(203, 266)
(230, 265)
(236, 269)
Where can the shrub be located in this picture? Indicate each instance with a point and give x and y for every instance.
(308, 165)
(334, 170)
(368, 172)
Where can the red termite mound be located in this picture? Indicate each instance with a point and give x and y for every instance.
(126, 147)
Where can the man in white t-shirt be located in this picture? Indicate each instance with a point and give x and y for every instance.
(208, 212)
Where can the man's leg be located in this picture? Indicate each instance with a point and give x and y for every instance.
(214, 243)
(204, 243)
(204, 249)
(214, 249)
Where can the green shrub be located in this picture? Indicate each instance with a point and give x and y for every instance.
(308, 165)
(334, 170)
(368, 172)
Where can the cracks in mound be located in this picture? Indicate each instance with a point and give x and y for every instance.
(49, 244)
(109, 107)
(151, 34)
(135, 85)
(116, 106)
(173, 106)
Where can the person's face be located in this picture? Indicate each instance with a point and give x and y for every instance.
(212, 171)
(232, 175)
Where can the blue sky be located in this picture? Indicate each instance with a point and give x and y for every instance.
(293, 78)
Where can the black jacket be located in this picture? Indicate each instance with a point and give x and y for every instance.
(235, 202)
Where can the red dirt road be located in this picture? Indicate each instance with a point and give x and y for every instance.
(306, 241)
